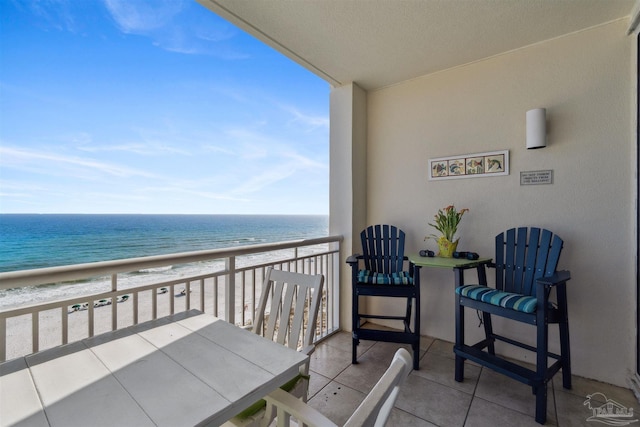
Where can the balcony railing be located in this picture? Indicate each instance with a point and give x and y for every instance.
(227, 284)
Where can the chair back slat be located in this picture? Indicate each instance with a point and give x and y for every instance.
(293, 301)
(383, 248)
(524, 255)
(499, 261)
(554, 255)
(382, 242)
(276, 304)
(509, 259)
(542, 255)
(519, 266)
(389, 248)
(369, 248)
(530, 266)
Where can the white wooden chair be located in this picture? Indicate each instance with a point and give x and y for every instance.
(373, 411)
(286, 314)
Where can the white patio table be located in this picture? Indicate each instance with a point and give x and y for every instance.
(184, 370)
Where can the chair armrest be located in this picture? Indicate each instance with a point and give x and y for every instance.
(555, 279)
(353, 259)
(308, 350)
(285, 403)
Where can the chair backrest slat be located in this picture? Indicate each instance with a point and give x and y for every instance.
(554, 255)
(519, 266)
(388, 248)
(293, 300)
(530, 266)
(524, 255)
(368, 248)
(276, 304)
(509, 260)
(383, 248)
(499, 261)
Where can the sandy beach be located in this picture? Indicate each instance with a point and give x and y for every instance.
(19, 335)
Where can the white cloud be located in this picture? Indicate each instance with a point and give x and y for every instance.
(183, 191)
(306, 120)
(276, 171)
(158, 20)
(140, 148)
(32, 160)
(303, 162)
(217, 149)
(54, 13)
(140, 16)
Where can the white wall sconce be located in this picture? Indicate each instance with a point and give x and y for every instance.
(536, 128)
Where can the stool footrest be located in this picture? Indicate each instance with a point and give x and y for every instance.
(505, 367)
(386, 336)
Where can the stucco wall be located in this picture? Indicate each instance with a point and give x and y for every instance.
(586, 82)
(348, 155)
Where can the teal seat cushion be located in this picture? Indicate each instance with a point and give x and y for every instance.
(371, 277)
(518, 302)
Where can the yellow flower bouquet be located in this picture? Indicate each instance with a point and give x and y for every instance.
(446, 222)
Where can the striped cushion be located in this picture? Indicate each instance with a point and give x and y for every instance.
(400, 278)
(518, 302)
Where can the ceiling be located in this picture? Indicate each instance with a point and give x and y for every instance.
(377, 43)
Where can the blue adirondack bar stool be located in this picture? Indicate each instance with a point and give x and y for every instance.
(382, 270)
(526, 276)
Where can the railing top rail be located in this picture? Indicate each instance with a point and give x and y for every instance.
(40, 276)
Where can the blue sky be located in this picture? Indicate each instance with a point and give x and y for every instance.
(153, 106)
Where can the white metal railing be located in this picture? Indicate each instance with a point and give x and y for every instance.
(226, 284)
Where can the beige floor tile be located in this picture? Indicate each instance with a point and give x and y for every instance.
(329, 360)
(433, 402)
(571, 410)
(316, 383)
(505, 392)
(384, 351)
(442, 348)
(363, 375)
(584, 387)
(441, 369)
(344, 341)
(337, 402)
(484, 413)
(405, 419)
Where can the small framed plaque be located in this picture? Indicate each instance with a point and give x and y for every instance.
(536, 177)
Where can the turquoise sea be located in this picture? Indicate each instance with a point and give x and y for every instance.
(29, 241)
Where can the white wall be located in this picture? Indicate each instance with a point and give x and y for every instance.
(586, 81)
(348, 162)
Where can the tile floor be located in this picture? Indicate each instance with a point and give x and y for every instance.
(431, 397)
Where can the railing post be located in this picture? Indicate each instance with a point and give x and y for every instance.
(230, 291)
(3, 339)
(35, 331)
(64, 312)
(114, 303)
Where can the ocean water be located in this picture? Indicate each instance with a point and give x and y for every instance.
(29, 241)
